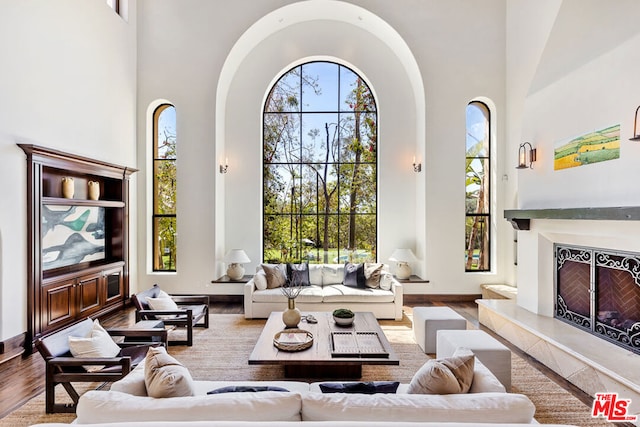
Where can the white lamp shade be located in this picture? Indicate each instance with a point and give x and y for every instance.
(403, 255)
(236, 256)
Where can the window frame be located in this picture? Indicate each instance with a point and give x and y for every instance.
(487, 215)
(341, 214)
(155, 216)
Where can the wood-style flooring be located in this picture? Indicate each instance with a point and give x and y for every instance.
(22, 378)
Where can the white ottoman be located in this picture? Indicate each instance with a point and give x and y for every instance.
(428, 320)
(495, 356)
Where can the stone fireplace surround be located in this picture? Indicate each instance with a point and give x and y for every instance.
(589, 362)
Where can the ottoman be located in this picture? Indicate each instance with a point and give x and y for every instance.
(495, 356)
(428, 320)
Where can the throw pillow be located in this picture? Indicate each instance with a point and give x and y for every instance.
(298, 274)
(276, 275)
(386, 281)
(97, 344)
(260, 279)
(243, 389)
(165, 376)
(370, 387)
(354, 275)
(372, 274)
(163, 302)
(444, 376)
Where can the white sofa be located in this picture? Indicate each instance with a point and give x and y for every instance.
(127, 402)
(326, 293)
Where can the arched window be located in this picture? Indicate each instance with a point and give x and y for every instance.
(164, 188)
(478, 195)
(320, 167)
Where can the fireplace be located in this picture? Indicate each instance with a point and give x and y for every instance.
(599, 290)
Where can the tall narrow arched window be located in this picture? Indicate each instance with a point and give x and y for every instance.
(164, 188)
(320, 167)
(477, 191)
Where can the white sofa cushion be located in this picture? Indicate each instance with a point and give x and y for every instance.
(315, 274)
(332, 274)
(342, 293)
(311, 293)
(488, 407)
(111, 406)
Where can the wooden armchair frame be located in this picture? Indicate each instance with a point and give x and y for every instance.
(193, 312)
(62, 368)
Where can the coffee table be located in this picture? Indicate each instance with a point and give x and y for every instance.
(318, 361)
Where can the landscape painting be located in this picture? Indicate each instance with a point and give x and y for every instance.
(592, 147)
(72, 235)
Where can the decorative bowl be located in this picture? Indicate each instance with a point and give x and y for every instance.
(343, 321)
(343, 316)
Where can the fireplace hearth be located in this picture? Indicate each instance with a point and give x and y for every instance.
(598, 290)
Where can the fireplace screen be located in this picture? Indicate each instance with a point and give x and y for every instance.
(599, 291)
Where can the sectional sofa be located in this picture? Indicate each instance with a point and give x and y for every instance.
(127, 402)
(326, 292)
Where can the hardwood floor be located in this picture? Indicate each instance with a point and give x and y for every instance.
(23, 377)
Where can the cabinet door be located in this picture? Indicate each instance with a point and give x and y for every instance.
(58, 305)
(88, 294)
(113, 285)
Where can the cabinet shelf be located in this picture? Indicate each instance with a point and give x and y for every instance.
(77, 202)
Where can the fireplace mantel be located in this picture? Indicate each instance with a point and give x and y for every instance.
(520, 218)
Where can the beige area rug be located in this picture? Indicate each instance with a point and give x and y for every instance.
(221, 353)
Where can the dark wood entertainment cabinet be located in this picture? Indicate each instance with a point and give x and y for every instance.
(73, 289)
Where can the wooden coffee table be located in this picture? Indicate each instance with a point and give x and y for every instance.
(318, 361)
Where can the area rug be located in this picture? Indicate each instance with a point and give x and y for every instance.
(221, 353)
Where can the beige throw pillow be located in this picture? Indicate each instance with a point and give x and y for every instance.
(444, 376)
(165, 376)
(276, 275)
(97, 344)
(372, 274)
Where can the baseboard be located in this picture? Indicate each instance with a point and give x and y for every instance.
(226, 298)
(13, 347)
(427, 298)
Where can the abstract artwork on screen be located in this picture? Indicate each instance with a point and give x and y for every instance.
(72, 235)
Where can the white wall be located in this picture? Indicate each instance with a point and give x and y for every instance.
(575, 81)
(67, 81)
(458, 47)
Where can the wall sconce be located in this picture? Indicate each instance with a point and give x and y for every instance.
(417, 167)
(225, 167)
(526, 156)
(636, 137)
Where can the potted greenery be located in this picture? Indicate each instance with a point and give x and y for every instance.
(343, 316)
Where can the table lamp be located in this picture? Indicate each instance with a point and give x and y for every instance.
(403, 257)
(235, 258)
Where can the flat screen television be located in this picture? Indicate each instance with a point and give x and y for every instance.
(72, 235)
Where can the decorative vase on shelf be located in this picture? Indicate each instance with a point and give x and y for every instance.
(291, 316)
(94, 190)
(67, 187)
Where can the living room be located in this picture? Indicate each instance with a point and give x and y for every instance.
(80, 78)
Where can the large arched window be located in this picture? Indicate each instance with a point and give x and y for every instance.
(320, 167)
(164, 188)
(478, 195)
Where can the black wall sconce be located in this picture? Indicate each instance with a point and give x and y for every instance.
(417, 167)
(636, 137)
(224, 167)
(526, 156)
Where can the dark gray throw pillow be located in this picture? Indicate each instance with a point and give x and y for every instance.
(354, 275)
(298, 274)
(243, 389)
(369, 387)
